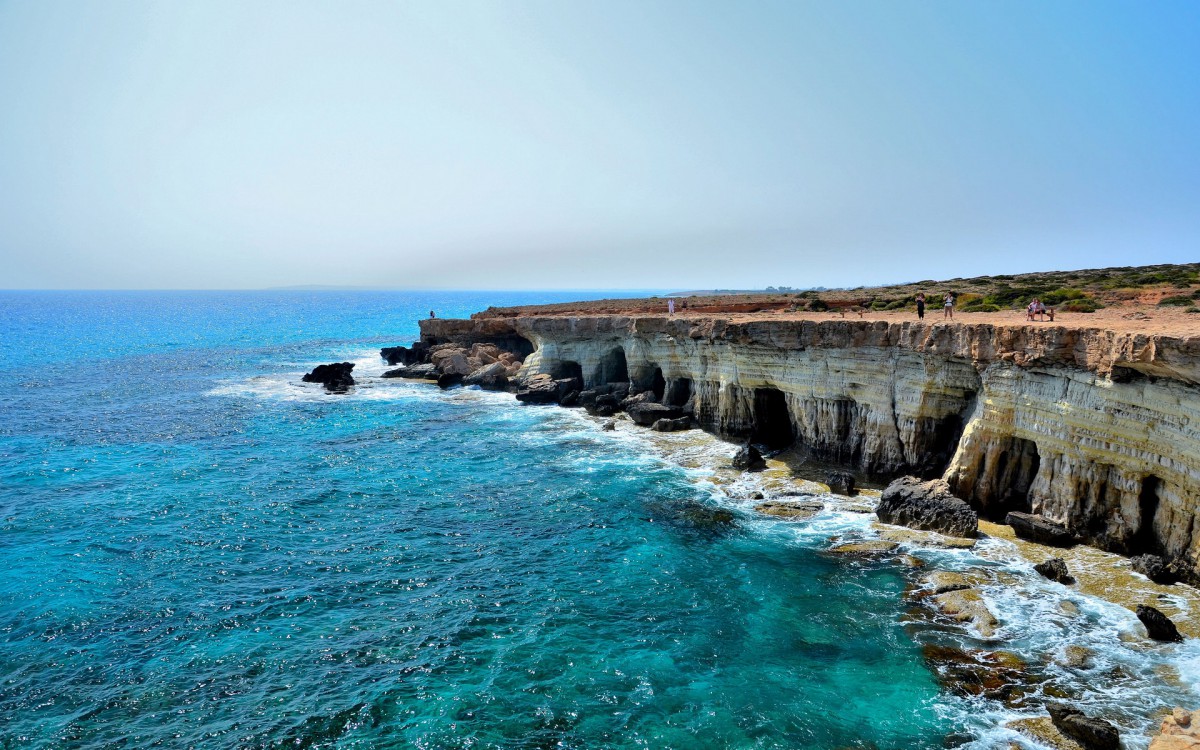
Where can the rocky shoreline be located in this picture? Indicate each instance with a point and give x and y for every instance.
(581, 364)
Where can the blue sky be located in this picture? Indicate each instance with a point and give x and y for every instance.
(592, 144)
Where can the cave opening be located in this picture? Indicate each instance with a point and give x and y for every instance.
(568, 369)
(658, 384)
(679, 390)
(613, 368)
(772, 419)
(1146, 541)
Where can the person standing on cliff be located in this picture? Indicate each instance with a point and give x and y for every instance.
(921, 305)
(431, 314)
(670, 307)
(948, 307)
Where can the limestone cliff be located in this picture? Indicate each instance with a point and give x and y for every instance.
(1092, 428)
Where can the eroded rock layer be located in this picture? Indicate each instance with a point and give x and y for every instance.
(1094, 429)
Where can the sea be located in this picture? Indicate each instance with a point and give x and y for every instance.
(198, 550)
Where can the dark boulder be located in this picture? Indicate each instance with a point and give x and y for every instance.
(571, 399)
(1056, 570)
(908, 501)
(542, 389)
(449, 379)
(424, 372)
(748, 458)
(1155, 568)
(1041, 530)
(672, 425)
(335, 377)
(609, 425)
(1091, 732)
(603, 405)
(647, 413)
(840, 482)
(403, 355)
(1158, 626)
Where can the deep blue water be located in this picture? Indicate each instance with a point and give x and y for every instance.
(199, 551)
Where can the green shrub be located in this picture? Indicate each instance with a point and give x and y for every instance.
(1087, 305)
(818, 305)
(1192, 309)
(1196, 294)
(1177, 301)
(981, 306)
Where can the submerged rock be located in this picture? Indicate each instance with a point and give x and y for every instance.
(997, 675)
(1158, 626)
(908, 501)
(1090, 732)
(609, 425)
(1040, 529)
(943, 581)
(967, 606)
(1056, 570)
(790, 511)
(335, 377)
(748, 458)
(1041, 729)
(869, 548)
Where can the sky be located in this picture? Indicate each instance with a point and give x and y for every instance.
(592, 145)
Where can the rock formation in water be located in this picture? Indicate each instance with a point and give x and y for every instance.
(335, 377)
(926, 505)
(1094, 431)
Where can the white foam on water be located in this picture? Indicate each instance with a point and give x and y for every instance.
(1128, 681)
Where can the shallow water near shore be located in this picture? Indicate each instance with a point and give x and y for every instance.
(202, 551)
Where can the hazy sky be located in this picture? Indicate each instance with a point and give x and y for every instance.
(592, 144)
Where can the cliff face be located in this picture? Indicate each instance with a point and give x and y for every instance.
(1095, 429)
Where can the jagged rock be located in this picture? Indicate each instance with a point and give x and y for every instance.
(1158, 626)
(570, 400)
(645, 397)
(1041, 530)
(790, 511)
(1091, 732)
(1056, 570)
(493, 375)
(840, 482)
(967, 606)
(997, 675)
(335, 377)
(403, 355)
(542, 389)
(449, 380)
(672, 425)
(452, 361)
(609, 425)
(756, 495)
(748, 458)
(647, 413)
(423, 372)
(908, 501)
(1155, 568)
(604, 405)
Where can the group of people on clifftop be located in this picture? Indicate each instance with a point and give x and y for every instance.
(947, 305)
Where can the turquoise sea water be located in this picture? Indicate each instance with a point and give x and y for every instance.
(200, 551)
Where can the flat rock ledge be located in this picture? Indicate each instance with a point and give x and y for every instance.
(954, 596)
(790, 511)
(927, 505)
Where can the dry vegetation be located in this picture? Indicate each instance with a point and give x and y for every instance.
(1167, 288)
